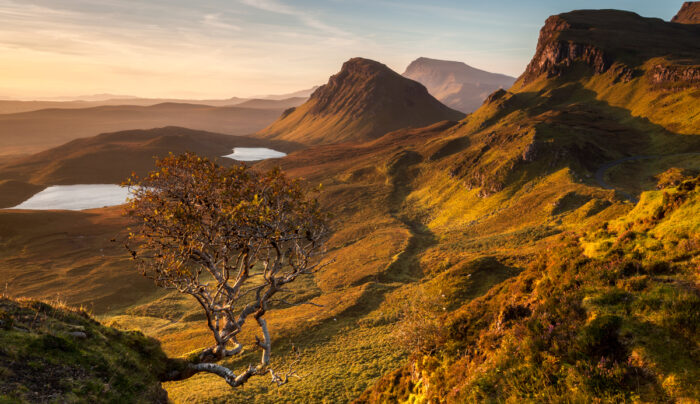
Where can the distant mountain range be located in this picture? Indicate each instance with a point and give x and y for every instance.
(363, 101)
(30, 132)
(456, 84)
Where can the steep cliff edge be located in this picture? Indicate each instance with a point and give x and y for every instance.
(612, 39)
(688, 14)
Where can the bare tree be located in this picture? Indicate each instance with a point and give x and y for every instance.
(231, 238)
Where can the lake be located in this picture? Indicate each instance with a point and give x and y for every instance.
(76, 197)
(254, 154)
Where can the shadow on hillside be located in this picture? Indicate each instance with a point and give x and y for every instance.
(574, 129)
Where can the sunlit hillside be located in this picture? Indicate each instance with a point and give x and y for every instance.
(543, 248)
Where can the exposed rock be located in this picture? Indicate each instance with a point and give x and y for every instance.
(661, 74)
(496, 95)
(531, 152)
(622, 73)
(554, 56)
(601, 40)
(78, 334)
(688, 14)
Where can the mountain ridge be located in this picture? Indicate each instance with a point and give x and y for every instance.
(456, 84)
(364, 100)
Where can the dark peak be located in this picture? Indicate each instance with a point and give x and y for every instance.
(363, 84)
(688, 14)
(601, 38)
(362, 69)
(354, 73)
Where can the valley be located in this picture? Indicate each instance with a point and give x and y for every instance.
(524, 240)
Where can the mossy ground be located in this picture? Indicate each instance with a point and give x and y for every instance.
(53, 353)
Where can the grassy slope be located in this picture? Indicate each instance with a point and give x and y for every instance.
(508, 179)
(611, 317)
(42, 361)
(453, 210)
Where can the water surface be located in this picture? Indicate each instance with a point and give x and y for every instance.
(76, 197)
(254, 154)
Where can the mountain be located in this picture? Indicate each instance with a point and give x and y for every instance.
(456, 84)
(563, 181)
(30, 132)
(297, 94)
(262, 103)
(364, 100)
(688, 14)
(15, 106)
(542, 249)
(91, 97)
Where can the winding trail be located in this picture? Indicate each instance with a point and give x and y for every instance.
(600, 173)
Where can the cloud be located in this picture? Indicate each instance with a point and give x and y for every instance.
(217, 22)
(303, 16)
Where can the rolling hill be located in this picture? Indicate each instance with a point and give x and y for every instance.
(456, 84)
(30, 132)
(363, 101)
(110, 158)
(17, 106)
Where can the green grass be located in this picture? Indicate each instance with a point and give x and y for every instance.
(41, 361)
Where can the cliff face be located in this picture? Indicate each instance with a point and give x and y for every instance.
(363, 101)
(605, 39)
(688, 14)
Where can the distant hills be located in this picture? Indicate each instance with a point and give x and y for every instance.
(30, 132)
(523, 276)
(11, 106)
(363, 101)
(112, 157)
(296, 94)
(456, 84)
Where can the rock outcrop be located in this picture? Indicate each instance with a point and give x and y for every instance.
(688, 14)
(602, 40)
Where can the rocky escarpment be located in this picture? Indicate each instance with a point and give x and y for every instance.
(686, 76)
(688, 14)
(605, 40)
(553, 56)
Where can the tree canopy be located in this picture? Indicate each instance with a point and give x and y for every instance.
(232, 238)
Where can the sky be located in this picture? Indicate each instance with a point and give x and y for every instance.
(213, 49)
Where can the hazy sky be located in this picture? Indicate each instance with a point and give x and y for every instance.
(224, 48)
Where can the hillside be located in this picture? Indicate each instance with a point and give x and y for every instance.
(30, 132)
(456, 84)
(262, 103)
(544, 248)
(17, 106)
(60, 354)
(363, 101)
(604, 287)
(111, 157)
(688, 14)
